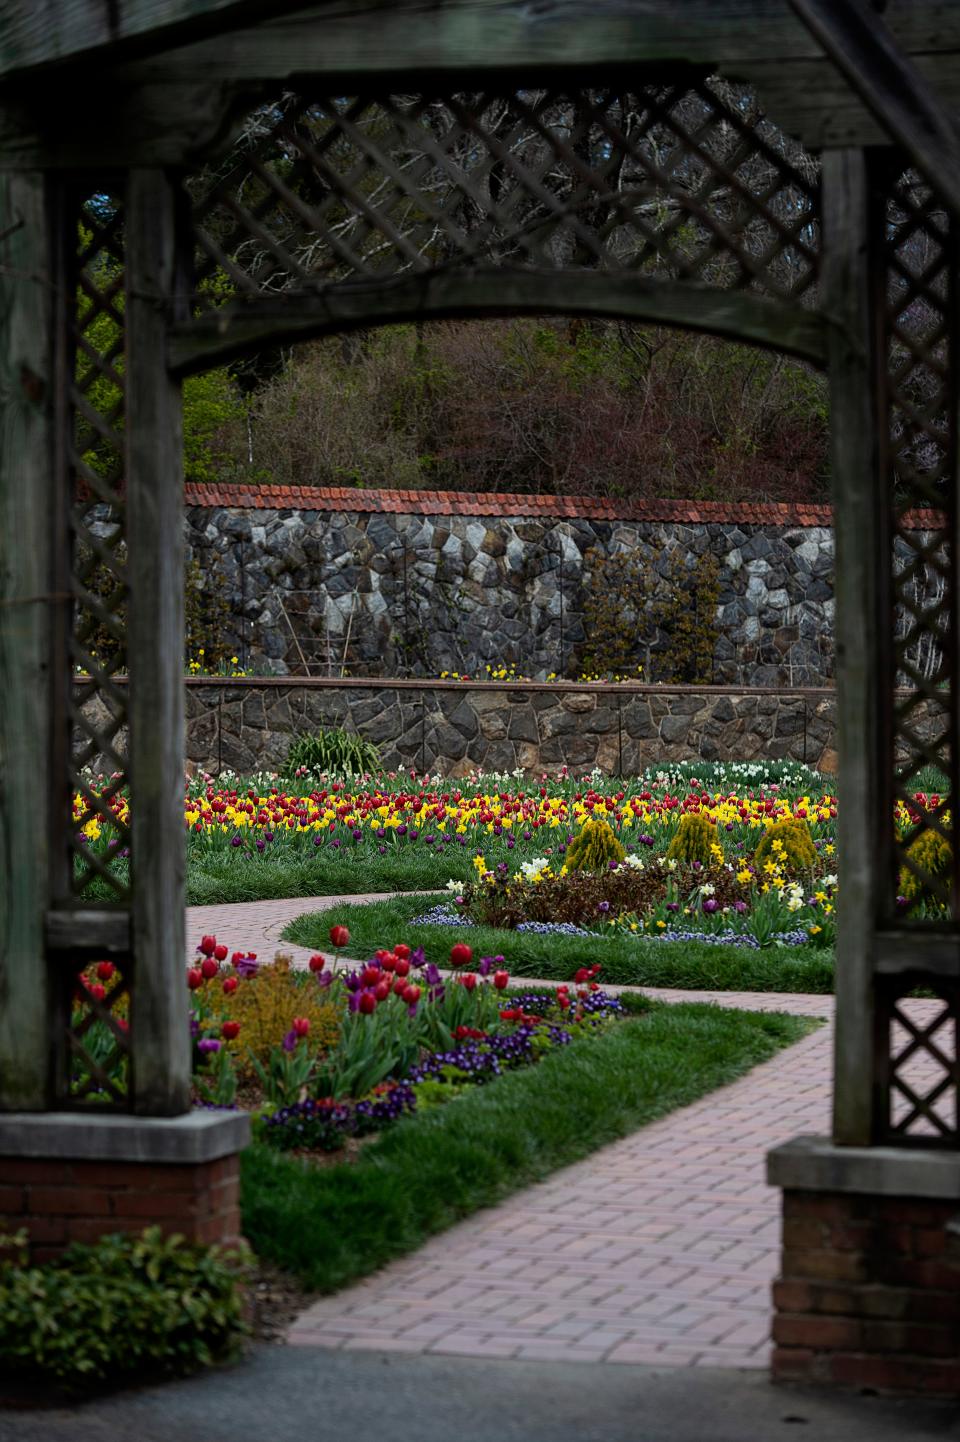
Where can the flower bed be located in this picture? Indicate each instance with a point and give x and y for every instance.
(327, 1054)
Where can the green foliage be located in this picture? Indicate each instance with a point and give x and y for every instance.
(593, 847)
(333, 750)
(213, 410)
(934, 855)
(789, 844)
(693, 839)
(125, 1308)
(206, 613)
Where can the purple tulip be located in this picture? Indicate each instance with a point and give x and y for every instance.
(711, 904)
(208, 1044)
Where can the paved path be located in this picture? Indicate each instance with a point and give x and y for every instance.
(660, 1248)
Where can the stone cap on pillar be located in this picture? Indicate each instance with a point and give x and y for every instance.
(816, 1164)
(193, 1138)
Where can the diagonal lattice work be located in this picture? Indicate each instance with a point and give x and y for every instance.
(686, 181)
(923, 1079)
(97, 1039)
(99, 832)
(920, 280)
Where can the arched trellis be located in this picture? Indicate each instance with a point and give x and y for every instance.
(716, 230)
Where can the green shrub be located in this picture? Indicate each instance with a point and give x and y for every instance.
(934, 855)
(693, 839)
(788, 843)
(333, 750)
(123, 1308)
(593, 847)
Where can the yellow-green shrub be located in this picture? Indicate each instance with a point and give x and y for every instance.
(789, 844)
(934, 855)
(593, 847)
(265, 1006)
(693, 839)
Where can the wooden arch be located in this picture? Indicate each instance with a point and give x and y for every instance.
(90, 473)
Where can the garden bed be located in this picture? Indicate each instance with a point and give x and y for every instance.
(626, 961)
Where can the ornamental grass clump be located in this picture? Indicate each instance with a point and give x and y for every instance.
(788, 846)
(933, 854)
(694, 839)
(593, 848)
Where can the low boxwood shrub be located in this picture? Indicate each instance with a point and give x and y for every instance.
(120, 1309)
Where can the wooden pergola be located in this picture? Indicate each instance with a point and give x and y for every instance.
(237, 174)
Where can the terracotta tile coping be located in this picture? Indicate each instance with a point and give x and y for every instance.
(495, 505)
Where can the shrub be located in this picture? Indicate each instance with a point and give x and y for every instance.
(125, 1307)
(934, 855)
(693, 839)
(333, 750)
(593, 848)
(789, 844)
(266, 1005)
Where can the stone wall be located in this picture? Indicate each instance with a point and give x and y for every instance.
(418, 583)
(248, 725)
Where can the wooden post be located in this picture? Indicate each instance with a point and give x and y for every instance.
(853, 298)
(27, 467)
(154, 476)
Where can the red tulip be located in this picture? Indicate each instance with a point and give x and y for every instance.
(381, 955)
(317, 962)
(368, 1002)
(97, 991)
(500, 979)
(339, 936)
(581, 976)
(301, 1025)
(400, 986)
(370, 976)
(402, 951)
(563, 1001)
(461, 954)
(220, 953)
(105, 970)
(382, 990)
(208, 945)
(230, 1030)
(411, 995)
(230, 985)
(194, 978)
(468, 980)
(403, 967)
(209, 967)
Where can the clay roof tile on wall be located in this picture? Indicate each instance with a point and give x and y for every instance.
(452, 503)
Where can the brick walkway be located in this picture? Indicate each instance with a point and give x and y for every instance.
(660, 1248)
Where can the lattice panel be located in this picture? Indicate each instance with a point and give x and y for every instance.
(922, 399)
(97, 1038)
(100, 837)
(685, 181)
(923, 1078)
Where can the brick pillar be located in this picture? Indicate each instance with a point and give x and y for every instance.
(869, 1290)
(69, 1177)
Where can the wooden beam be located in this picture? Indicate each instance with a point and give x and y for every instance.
(160, 1051)
(239, 329)
(890, 85)
(84, 933)
(853, 292)
(27, 380)
(35, 36)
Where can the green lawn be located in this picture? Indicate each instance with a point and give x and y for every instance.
(627, 962)
(333, 1225)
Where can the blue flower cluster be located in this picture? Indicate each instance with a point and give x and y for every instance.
(729, 937)
(440, 916)
(553, 928)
